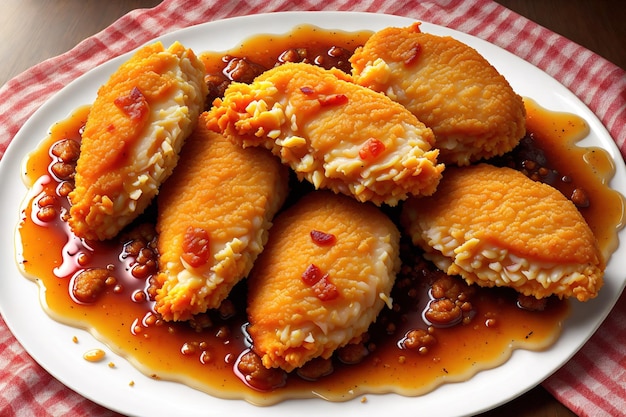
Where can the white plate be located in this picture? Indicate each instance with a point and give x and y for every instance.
(50, 343)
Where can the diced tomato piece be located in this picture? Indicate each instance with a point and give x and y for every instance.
(322, 238)
(371, 149)
(134, 104)
(196, 250)
(311, 275)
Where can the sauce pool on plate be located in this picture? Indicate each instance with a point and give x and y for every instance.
(437, 330)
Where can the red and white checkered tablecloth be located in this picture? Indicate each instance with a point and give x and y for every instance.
(593, 383)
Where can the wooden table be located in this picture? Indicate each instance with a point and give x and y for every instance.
(32, 31)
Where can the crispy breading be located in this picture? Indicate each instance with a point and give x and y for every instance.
(132, 137)
(331, 132)
(471, 108)
(349, 279)
(225, 195)
(496, 227)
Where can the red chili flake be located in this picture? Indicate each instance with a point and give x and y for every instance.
(333, 100)
(134, 104)
(196, 249)
(323, 238)
(371, 149)
(311, 275)
(417, 50)
(325, 290)
(307, 90)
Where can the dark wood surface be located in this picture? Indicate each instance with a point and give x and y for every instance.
(34, 30)
(598, 25)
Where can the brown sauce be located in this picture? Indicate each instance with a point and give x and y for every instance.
(558, 135)
(204, 353)
(312, 42)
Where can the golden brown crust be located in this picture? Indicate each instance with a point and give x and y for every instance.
(231, 194)
(499, 218)
(449, 86)
(289, 323)
(132, 137)
(319, 124)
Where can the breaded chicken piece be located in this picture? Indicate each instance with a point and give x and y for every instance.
(333, 133)
(213, 218)
(496, 227)
(324, 276)
(471, 108)
(132, 137)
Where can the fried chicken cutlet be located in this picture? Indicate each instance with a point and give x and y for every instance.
(325, 274)
(497, 227)
(471, 108)
(132, 137)
(331, 132)
(213, 218)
